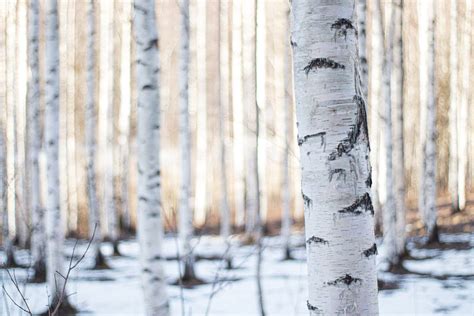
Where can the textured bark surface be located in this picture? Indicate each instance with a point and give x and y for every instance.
(334, 146)
(362, 32)
(428, 121)
(54, 224)
(38, 237)
(150, 228)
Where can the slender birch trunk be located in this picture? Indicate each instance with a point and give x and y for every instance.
(249, 92)
(90, 134)
(54, 224)
(463, 106)
(334, 145)
(124, 115)
(185, 214)
(237, 114)
(397, 80)
(286, 194)
(38, 237)
(428, 122)
(453, 108)
(201, 191)
(150, 228)
(376, 66)
(224, 99)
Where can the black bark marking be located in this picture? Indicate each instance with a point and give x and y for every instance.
(316, 240)
(341, 26)
(312, 307)
(340, 173)
(302, 140)
(368, 181)
(307, 201)
(361, 205)
(347, 280)
(322, 63)
(371, 251)
(358, 129)
(148, 87)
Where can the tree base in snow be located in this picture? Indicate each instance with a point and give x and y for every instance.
(39, 273)
(249, 239)
(287, 254)
(100, 263)
(65, 308)
(116, 252)
(228, 263)
(433, 238)
(11, 261)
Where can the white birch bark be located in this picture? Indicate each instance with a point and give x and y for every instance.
(201, 124)
(54, 224)
(249, 92)
(185, 215)
(463, 106)
(453, 108)
(150, 228)
(237, 114)
(124, 115)
(225, 224)
(377, 53)
(397, 119)
(90, 134)
(286, 193)
(38, 237)
(428, 123)
(334, 145)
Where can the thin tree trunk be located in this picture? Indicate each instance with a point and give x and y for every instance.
(237, 115)
(453, 108)
(124, 115)
(150, 227)
(185, 214)
(463, 106)
(54, 224)
(362, 32)
(428, 123)
(334, 145)
(38, 237)
(375, 99)
(200, 211)
(397, 119)
(90, 128)
(225, 224)
(249, 92)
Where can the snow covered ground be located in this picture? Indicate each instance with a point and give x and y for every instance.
(442, 284)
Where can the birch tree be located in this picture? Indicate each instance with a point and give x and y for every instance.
(185, 215)
(428, 121)
(38, 237)
(334, 146)
(453, 109)
(223, 107)
(90, 128)
(362, 32)
(54, 223)
(150, 230)
(397, 118)
(249, 92)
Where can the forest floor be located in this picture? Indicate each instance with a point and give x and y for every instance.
(440, 280)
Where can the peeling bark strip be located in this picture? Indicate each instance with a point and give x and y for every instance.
(316, 240)
(341, 26)
(312, 307)
(362, 204)
(305, 138)
(322, 63)
(358, 129)
(347, 280)
(371, 251)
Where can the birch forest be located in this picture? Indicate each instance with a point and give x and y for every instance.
(236, 157)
